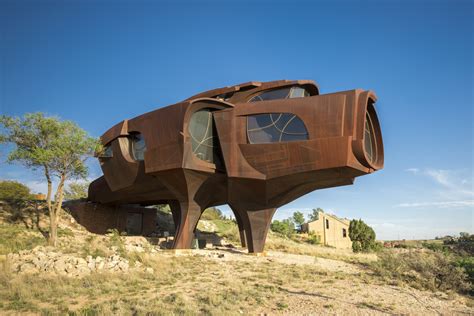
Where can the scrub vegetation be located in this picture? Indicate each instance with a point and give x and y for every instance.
(295, 276)
(56, 148)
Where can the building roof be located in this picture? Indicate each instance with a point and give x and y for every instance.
(344, 221)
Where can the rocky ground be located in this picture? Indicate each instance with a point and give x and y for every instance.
(114, 275)
(47, 260)
(211, 281)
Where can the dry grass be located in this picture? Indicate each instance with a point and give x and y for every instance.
(183, 285)
(422, 269)
(196, 284)
(278, 243)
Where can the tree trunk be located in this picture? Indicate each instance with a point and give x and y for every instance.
(53, 229)
(50, 188)
(54, 213)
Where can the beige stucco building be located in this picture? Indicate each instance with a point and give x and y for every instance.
(333, 231)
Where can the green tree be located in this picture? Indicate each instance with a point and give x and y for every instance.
(314, 216)
(362, 236)
(298, 219)
(76, 191)
(285, 227)
(57, 148)
(14, 190)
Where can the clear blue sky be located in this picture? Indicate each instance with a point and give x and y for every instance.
(98, 62)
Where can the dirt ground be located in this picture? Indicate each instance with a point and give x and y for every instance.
(218, 281)
(228, 282)
(341, 288)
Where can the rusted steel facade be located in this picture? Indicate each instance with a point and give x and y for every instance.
(254, 146)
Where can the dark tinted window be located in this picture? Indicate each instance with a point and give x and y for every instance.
(204, 140)
(274, 128)
(284, 93)
(107, 152)
(138, 146)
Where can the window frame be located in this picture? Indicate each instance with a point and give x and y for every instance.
(107, 152)
(131, 139)
(290, 88)
(370, 132)
(273, 125)
(218, 159)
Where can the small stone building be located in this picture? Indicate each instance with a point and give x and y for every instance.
(333, 231)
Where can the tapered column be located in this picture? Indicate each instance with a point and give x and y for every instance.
(175, 212)
(189, 214)
(240, 224)
(187, 207)
(256, 225)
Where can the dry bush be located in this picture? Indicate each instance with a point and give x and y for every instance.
(278, 243)
(422, 269)
(14, 238)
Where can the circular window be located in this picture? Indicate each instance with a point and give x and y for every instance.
(368, 144)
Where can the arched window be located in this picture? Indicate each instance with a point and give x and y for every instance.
(275, 128)
(204, 140)
(284, 93)
(137, 146)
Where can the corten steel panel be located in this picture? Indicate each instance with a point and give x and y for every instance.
(254, 179)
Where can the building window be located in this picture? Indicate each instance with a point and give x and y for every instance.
(327, 223)
(106, 152)
(137, 146)
(204, 139)
(285, 93)
(369, 139)
(275, 128)
(344, 233)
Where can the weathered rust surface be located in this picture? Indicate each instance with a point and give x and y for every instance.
(254, 179)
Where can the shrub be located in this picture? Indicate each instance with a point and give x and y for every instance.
(313, 239)
(14, 190)
(464, 245)
(285, 227)
(425, 269)
(467, 264)
(212, 213)
(376, 246)
(231, 233)
(434, 246)
(363, 237)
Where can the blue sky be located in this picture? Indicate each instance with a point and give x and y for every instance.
(98, 62)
